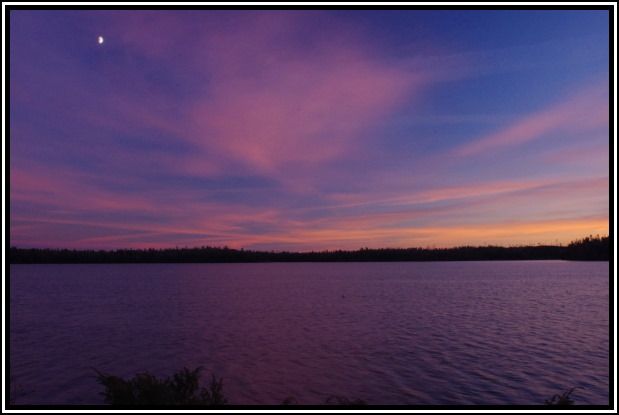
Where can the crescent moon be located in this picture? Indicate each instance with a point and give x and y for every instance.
(100, 40)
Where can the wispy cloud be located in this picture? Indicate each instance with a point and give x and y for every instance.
(86, 216)
(585, 110)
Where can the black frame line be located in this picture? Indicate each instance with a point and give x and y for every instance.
(357, 6)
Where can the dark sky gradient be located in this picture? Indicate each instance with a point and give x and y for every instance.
(308, 129)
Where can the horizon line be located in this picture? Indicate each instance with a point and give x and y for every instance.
(224, 247)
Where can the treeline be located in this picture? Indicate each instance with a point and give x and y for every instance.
(588, 249)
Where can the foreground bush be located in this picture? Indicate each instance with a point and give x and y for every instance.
(182, 388)
(561, 400)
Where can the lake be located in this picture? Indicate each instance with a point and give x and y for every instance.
(398, 333)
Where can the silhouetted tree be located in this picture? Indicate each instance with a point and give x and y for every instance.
(590, 248)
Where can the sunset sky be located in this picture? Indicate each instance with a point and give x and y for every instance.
(307, 130)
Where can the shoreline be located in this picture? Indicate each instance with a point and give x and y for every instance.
(586, 249)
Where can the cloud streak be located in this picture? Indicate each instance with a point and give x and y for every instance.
(581, 112)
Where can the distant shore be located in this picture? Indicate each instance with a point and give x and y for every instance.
(586, 249)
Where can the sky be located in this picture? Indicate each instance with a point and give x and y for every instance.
(307, 130)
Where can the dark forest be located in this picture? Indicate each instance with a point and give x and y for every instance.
(591, 248)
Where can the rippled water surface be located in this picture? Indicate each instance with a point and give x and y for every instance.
(389, 333)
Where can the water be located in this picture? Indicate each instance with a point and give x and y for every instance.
(508, 332)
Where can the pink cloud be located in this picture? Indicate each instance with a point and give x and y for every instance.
(488, 212)
(272, 97)
(311, 114)
(186, 221)
(495, 189)
(580, 154)
(63, 190)
(582, 111)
